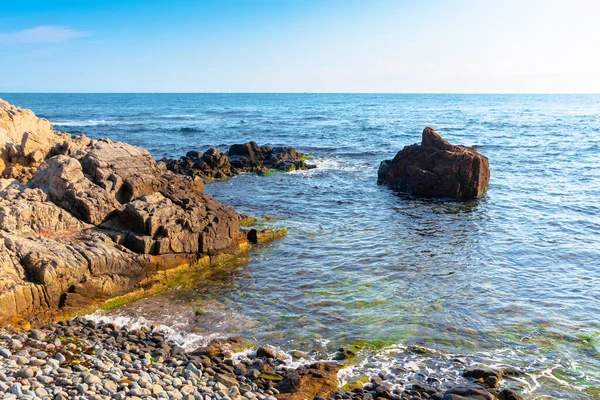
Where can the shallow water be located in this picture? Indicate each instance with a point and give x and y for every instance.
(511, 279)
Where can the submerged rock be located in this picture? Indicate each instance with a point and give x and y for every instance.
(241, 158)
(436, 168)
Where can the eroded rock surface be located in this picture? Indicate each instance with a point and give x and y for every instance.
(436, 168)
(241, 158)
(82, 220)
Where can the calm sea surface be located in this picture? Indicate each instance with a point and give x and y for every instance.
(422, 287)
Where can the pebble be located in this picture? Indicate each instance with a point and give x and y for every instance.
(106, 362)
(60, 358)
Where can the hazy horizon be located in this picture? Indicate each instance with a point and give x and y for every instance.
(334, 46)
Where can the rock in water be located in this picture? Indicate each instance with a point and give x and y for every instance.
(436, 168)
(241, 158)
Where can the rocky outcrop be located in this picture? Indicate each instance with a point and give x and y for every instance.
(436, 168)
(86, 220)
(26, 141)
(241, 158)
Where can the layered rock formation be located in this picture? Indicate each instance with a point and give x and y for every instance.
(82, 220)
(241, 158)
(436, 168)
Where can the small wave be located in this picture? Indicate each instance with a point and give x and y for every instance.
(89, 122)
(191, 130)
(315, 118)
(175, 116)
(189, 341)
(324, 164)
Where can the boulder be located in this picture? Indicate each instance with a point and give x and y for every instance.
(436, 168)
(467, 392)
(489, 377)
(507, 394)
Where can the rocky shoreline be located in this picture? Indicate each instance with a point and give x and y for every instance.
(83, 221)
(83, 359)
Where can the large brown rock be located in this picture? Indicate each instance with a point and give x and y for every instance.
(436, 168)
(93, 219)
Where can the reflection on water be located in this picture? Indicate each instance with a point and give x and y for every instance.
(510, 279)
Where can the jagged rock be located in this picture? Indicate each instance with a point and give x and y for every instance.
(435, 168)
(26, 140)
(94, 219)
(247, 157)
(124, 170)
(62, 178)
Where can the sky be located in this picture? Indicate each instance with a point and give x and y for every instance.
(352, 46)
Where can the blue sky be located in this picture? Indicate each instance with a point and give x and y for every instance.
(460, 46)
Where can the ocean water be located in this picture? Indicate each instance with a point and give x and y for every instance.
(424, 288)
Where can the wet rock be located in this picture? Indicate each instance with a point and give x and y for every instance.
(507, 394)
(343, 354)
(241, 158)
(262, 236)
(318, 379)
(436, 168)
(265, 352)
(467, 392)
(489, 377)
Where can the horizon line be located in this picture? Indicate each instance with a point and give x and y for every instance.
(329, 93)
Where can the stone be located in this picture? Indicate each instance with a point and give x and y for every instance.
(37, 334)
(507, 394)
(226, 380)
(309, 381)
(91, 378)
(467, 392)
(25, 373)
(436, 168)
(491, 378)
(5, 353)
(265, 352)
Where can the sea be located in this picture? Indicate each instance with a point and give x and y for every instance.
(419, 288)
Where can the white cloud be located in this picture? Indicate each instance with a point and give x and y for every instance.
(41, 34)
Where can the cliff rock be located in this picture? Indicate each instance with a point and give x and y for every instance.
(82, 220)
